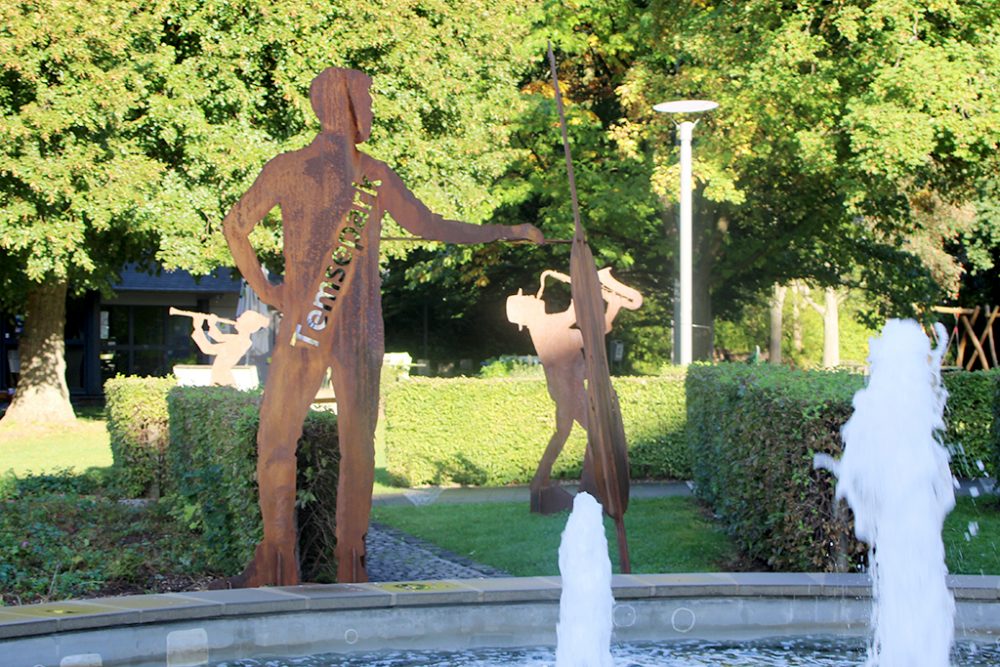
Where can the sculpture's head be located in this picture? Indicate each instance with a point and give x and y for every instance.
(251, 321)
(524, 309)
(342, 102)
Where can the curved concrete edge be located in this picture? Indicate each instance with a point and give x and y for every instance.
(140, 630)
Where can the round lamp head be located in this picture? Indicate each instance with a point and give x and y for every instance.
(686, 106)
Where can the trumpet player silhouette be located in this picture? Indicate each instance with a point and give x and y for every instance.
(560, 349)
(227, 348)
(332, 199)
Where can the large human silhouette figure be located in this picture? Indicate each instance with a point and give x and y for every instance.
(559, 345)
(332, 199)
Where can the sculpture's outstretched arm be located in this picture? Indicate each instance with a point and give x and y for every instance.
(417, 219)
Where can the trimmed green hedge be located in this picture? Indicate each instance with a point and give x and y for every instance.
(212, 462)
(753, 432)
(973, 407)
(137, 426)
(493, 431)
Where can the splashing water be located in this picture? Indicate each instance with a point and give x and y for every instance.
(894, 474)
(583, 636)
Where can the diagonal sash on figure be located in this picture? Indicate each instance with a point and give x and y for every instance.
(606, 442)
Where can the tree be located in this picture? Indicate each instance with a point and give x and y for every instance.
(777, 310)
(830, 312)
(834, 120)
(128, 129)
(624, 220)
(76, 185)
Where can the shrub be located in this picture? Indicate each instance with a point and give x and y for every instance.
(493, 431)
(137, 425)
(60, 538)
(62, 481)
(512, 366)
(212, 478)
(995, 432)
(972, 404)
(753, 432)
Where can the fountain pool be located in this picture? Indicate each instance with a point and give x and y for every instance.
(211, 627)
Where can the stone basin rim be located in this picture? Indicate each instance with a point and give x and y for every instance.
(101, 613)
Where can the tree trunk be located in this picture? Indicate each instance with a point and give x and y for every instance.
(777, 311)
(831, 329)
(796, 320)
(42, 396)
(708, 229)
(703, 332)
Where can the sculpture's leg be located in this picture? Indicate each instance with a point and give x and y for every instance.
(294, 378)
(356, 384)
(548, 498)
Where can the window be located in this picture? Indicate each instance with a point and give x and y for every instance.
(143, 340)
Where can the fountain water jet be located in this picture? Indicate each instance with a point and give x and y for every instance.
(894, 474)
(586, 604)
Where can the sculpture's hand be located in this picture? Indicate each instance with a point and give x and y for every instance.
(527, 232)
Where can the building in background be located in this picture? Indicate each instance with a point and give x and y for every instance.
(132, 333)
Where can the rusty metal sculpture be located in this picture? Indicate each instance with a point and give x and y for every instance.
(559, 345)
(227, 348)
(332, 199)
(607, 450)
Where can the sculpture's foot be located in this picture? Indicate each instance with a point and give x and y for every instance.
(550, 499)
(272, 565)
(351, 565)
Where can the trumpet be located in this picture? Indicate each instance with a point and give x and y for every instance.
(199, 316)
(630, 298)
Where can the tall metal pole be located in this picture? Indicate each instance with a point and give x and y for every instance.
(686, 309)
(684, 319)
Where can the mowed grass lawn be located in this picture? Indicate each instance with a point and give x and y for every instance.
(664, 535)
(48, 449)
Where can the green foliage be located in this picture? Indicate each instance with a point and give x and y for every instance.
(61, 538)
(753, 432)
(973, 405)
(64, 481)
(511, 366)
(738, 338)
(137, 425)
(827, 140)
(996, 425)
(127, 137)
(212, 487)
(128, 129)
(493, 432)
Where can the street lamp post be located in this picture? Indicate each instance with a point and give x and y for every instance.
(686, 127)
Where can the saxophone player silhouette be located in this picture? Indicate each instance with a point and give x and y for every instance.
(559, 345)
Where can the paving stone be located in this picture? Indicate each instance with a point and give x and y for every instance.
(395, 556)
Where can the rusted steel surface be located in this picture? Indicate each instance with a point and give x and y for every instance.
(332, 198)
(227, 348)
(607, 449)
(559, 345)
